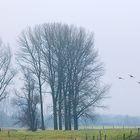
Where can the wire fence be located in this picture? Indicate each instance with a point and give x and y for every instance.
(129, 135)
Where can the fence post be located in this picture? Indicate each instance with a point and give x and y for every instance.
(123, 136)
(130, 132)
(8, 133)
(138, 131)
(86, 137)
(100, 135)
(105, 137)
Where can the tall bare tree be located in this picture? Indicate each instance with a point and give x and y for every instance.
(84, 70)
(27, 101)
(73, 72)
(7, 73)
(49, 52)
(30, 56)
(65, 57)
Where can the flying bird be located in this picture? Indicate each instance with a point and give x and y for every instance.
(120, 78)
(131, 76)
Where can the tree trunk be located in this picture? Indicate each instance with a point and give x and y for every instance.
(75, 116)
(41, 104)
(69, 111)
(55, 115)
(65, 113)
(69, 118)
(60, 117)
(75, 122)
(60, 111)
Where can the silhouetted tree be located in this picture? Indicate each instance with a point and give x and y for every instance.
(27, 101)
(65, 58)
(30, 56)
(73, 72)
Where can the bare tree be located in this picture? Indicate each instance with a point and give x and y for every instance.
(50, 52)
(27, 102)
(64, 56)
(6, 72)
(30, 56)
(73, 72)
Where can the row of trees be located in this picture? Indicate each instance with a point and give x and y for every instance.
(63, 58)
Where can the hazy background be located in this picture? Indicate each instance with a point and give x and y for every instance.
(116, 24)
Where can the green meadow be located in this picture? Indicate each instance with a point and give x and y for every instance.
(89, 134)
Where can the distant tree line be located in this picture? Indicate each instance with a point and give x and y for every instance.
(63, 58)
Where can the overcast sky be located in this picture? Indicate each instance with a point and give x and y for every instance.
(116, 24)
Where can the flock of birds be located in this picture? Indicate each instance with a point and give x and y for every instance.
(131, 76)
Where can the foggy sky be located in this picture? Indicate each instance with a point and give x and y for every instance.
(116, 25)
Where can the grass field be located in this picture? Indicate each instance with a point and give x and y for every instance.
(90, 134)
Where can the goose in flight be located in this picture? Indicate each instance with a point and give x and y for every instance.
(131, 76)
(120, 78)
